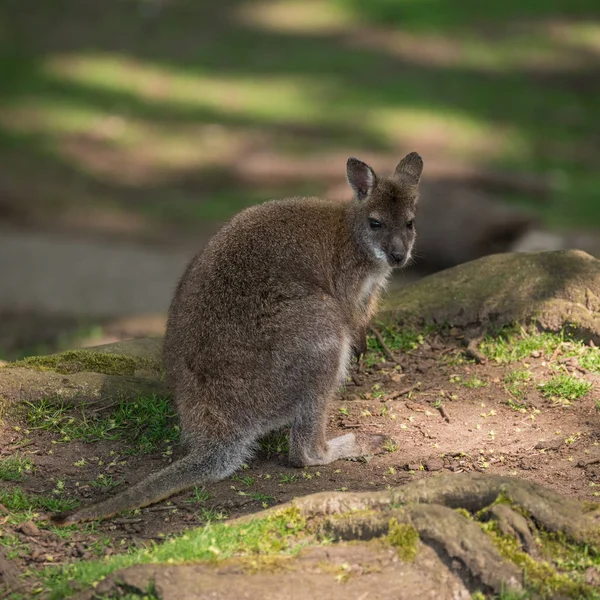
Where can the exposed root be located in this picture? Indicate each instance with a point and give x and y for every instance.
(518, 508)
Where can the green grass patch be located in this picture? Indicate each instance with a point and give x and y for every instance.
(279, 534)
(276, 442)
(511, 344)
(517, 384)
(14, 467)
(148, 421)
(24, 506)
(590, 360)
(565, 387)
(475, 383)
(199, 496)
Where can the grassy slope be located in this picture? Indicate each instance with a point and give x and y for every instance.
(108, 110)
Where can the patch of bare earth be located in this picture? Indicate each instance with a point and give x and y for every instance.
(444, 415)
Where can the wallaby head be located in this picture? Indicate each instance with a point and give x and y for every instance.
(384, 209)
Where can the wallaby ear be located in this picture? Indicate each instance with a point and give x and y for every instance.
(410, 168)
(361, 177)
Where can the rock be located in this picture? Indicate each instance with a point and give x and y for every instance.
(552, 289)
(434, 464)
(549, 444)
(29, 528)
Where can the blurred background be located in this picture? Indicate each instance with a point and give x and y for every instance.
(130, 130)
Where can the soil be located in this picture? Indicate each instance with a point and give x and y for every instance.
(549, 443)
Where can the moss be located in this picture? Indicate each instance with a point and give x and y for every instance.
(404, 538)
(75, 361)
(557, 548)
(464, 512)
(268, 563)
(539, 576)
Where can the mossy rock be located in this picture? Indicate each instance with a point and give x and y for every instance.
(556, 290)
(134, 357)
(123, 370)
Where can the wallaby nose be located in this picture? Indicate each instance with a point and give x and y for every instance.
(398, 256)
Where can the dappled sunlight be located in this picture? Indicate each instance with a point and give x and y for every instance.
(504, 50)
(122, 147)
(579, 36)
(271, 98)
(297, 16)
(447, 133)
(128, 151)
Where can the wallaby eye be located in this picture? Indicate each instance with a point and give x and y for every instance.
(410, 224)
(375, 224)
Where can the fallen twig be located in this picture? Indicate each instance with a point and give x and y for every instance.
(405, 391)
(556, 352)
(388, 353)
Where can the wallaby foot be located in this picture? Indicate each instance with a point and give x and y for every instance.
(344, 446)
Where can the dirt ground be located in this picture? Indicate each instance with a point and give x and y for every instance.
(442, 413)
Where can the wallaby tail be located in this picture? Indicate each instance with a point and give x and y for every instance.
(190, 470)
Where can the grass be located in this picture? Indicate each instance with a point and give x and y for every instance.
(517, 383)
(14, 467)
(565, 387)
(23, 506)
(147, 422)
(276, 442)
(199, 496)
(275, 535)
(512, 344)
(475, 383)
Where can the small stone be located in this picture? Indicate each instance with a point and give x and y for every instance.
(38, 556)
(536, 354)
(434, 464)
(30, 528)
(548, 444)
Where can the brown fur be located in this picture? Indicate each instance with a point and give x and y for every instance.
(263, 324)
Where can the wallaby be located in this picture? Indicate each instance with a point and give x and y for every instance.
(263, 325)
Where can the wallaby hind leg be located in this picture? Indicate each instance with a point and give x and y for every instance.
(198, 467)
(308, 443)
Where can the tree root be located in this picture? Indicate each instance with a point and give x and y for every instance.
(517, 507)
